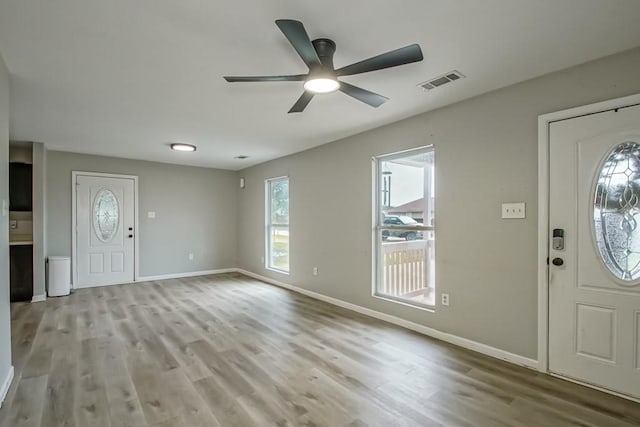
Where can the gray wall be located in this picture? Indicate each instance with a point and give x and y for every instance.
(486, 154)
(195, 211)
(38, 217)
(5, 328)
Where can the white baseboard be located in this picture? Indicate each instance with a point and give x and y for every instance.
(39, 298)
(4, 389)
(186, 274)
(450, 338)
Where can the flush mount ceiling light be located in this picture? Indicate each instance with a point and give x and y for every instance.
(183, 147)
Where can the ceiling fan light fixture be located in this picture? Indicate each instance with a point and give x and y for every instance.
(323, 76)
(183, 147)
(321, 85)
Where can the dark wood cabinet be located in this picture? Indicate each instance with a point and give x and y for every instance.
(21, 267)
(20, 186)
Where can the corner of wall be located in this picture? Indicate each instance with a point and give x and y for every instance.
(5, 385)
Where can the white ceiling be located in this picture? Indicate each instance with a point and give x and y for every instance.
(124, 78)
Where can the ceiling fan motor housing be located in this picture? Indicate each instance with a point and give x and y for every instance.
(325, 48)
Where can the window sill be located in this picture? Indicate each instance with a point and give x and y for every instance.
(418, 306)
(286, 273)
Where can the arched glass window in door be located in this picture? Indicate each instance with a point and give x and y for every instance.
(616, 212)
(106, 215)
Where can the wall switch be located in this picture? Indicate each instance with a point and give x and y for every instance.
(262, 260)
(191, 256)
(151, 214)
(315, 271)
(445, 299)
(4, 207)
(513, 210)
(13, 224)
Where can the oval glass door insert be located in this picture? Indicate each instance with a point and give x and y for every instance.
(106, 215)
(616, 212)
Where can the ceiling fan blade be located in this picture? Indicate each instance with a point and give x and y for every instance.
(296, 78)
(301, 103)
(296, 34)
(363, 95)
(404, 55)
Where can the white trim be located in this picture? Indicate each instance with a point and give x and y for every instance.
(602, 389)
(186, 274)
(543, 211)
(136, 226)
(6, 384)
(39, 298)
(443, 336)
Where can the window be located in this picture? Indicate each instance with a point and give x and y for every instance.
(405, 227)
(277, 230)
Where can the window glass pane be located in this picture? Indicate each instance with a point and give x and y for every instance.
(278, 224)
(279, 257)
(406, 261)
(407, 188)
(280, 202)
(616, 212)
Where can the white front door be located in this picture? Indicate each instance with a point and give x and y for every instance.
(105, 218)
(594, 296)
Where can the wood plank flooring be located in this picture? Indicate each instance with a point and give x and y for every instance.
(227, 350)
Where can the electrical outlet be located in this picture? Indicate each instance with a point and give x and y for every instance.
(191, 256)
(513, 210)
(151, 214)
(445, 299)
(315, 271)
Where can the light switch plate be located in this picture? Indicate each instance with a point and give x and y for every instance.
(13, 224)
(513, 210)
(151, 214)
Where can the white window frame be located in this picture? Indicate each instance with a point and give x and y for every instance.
(378, 226)
(269, 225)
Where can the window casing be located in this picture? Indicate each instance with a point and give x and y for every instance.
(277, 224)
(404, 227)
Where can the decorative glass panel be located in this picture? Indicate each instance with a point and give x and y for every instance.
(616, 212)
(106, 215)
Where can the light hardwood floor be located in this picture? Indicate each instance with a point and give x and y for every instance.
(227, 350)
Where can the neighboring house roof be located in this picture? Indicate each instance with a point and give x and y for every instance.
(414, 206)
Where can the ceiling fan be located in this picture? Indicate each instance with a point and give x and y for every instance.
(322, 76)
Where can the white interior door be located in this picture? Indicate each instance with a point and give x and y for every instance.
(105, 217)
(594, 296)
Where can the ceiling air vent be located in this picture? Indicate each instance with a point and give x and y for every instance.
(441, 80)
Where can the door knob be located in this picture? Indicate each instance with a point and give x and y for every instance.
(558, 262)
